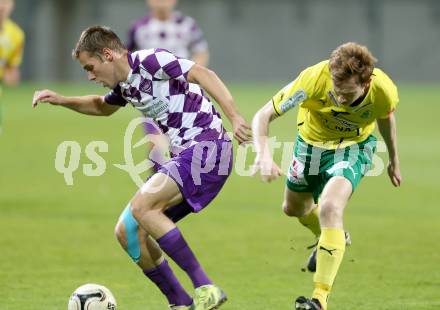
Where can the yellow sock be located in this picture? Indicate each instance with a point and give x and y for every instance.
(331, 248)
(311, 221)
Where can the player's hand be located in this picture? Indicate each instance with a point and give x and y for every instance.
(269, 170)
(241, 130)
(394, 172)
(47, 96)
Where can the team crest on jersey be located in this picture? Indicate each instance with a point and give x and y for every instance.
(366, 114)
(298, 97)
(145, 86)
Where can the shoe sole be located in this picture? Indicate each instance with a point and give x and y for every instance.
(299, 306)
(220, 303)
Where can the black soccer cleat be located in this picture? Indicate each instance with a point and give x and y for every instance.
(303, 303)
(311, 262)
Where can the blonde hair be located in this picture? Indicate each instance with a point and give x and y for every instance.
(94, 39)
(351, 59)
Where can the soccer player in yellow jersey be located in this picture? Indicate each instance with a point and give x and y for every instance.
(11, 45)
(11, 48)
(339, 101)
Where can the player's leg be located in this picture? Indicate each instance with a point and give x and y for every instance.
(302, 206)
(148, 256)
(331, 245)
(158, 194)
(197, 174)
(298, 194)
(298, 197)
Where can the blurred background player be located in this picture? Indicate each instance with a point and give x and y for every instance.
(11, 47)
(339, 100)
(164, 27)
(171, 91)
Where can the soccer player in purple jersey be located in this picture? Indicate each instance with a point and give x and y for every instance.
(164, 27)
(171, 91)
(167, 28)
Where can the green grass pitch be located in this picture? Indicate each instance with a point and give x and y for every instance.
(55, 237)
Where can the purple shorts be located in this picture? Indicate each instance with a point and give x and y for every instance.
(200, 172)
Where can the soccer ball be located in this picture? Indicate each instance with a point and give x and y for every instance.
(92, 297)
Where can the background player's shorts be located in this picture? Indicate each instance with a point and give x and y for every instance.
(313, 166)
(200, 172)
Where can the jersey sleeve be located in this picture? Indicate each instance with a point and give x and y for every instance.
(293, 94)
(197, 42)
(114, 97)
(16, 55)
(163, 65)
(131, 43)
(387, 98)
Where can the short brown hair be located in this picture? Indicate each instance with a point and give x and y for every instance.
(352, 59)
(94, 39)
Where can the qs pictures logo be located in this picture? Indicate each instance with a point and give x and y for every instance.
(68, 156)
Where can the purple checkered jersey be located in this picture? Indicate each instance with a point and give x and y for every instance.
(157, 86)
(179, 34)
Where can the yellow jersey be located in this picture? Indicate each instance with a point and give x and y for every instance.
(11, 46)
(324, 122)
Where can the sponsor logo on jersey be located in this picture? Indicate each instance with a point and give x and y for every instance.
(346, 123)
(298, 97)
(336, 113)
(154, 108)
(158, 107)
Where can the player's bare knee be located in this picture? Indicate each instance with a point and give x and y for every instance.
(330, 211)
(143, 204)
(292, 209)
(139, 207)
(288, 210)
(136, 209)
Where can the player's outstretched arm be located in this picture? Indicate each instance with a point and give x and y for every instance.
(201, 58)
(264, 163)
(11, 76)
(217, 89)
(90, 105)
(388, 130)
